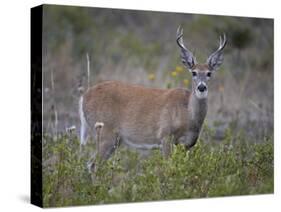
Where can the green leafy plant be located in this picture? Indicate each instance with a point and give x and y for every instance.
(233, 166)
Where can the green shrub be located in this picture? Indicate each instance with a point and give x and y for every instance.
(233, 166)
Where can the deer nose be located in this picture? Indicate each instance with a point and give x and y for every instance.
(202, 87)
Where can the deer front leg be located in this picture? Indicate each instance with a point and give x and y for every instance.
(167, 146)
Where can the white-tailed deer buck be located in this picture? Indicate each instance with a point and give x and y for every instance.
(147, 118)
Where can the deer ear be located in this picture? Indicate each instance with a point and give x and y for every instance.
(216, 58)
(215, 62)
(187, 57)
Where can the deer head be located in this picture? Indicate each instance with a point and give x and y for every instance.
(201, 73)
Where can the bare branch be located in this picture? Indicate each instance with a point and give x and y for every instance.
(88, 69)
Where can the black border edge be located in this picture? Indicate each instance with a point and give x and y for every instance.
(36, 105)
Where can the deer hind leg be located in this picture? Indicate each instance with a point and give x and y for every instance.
(189, 140)
(107, 143)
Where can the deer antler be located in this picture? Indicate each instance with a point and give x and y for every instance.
(186, 56)
(216, 58)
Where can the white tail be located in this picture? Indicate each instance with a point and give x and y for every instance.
(148, 118)
(84, 126)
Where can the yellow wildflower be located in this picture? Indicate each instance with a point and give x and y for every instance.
(174, 73)
(151, 77)
(186, 82)
(179, 69)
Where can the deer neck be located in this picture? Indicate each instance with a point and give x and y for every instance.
(197, 109)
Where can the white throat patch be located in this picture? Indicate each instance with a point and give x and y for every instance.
(201, 95)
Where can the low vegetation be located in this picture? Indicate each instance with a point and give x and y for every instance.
(232, 166)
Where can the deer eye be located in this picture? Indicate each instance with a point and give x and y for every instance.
(209, 74)
(194, 73)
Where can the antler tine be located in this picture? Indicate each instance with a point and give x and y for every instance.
(179, 37)
(221, 45)
(223, 41)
